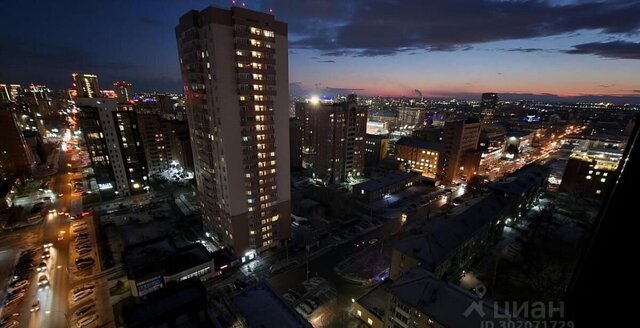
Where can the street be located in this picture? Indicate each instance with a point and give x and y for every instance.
(53, 301)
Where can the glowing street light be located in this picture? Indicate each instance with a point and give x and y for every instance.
(403, 218)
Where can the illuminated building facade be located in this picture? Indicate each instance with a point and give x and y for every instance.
(234, 66)
(114, 145)
(86, 85)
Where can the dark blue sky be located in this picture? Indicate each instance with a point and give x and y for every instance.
(453, 48)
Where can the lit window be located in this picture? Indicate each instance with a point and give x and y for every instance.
(588, 177)
(598, 192)
(370, 322)
(590, 171)
(603, 179)
(359, 313)
(605, 174)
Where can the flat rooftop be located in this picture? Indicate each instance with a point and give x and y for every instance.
(161, 256)
(385, 181)
(419, 143)
(260, 306)
(165, 304)
(446, 303)
(437, 240)
(375, 300)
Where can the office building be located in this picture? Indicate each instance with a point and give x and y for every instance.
(115, 146)
(156, 136)
(86, 85)
(457, 158)
(419, 155)
(333, 138)
(234, 66)
(376, 148)
(16, 158)
(489, 103)
(122, 90)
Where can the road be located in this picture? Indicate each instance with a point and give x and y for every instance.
(53, 301)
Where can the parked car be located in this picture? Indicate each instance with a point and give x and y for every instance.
(79, 296)
(85, 310)
(85, 321)
(88, 286)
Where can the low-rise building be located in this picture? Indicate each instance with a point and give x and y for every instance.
(260, 306)
(372, 190)
(419, 155)
(152, 264)
(420, 299)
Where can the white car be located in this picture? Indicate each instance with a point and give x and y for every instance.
(85, 321)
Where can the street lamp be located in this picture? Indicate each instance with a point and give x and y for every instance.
(403, 218)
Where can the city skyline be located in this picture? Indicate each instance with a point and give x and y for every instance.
(581, 50)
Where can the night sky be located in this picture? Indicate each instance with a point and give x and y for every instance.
(453, 48)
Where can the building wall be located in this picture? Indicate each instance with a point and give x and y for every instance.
(400, 263)
(295, 142)
(376, 148)
(421, 160)
(584, 178)
(156, 137)
(412, 117)
(333, 138)
(115, 146)
(363, 314)
(238, 119)
(459, 137)
(15, 157)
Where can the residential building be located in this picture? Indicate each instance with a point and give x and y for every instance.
(419, 155)
(295, 142)
(459, 144)
(376, 148)
(16, 158)
(156, 136)
(419, 299)
(234, 67)
(115, 146)
(333, 138)
(446, 245)
(86, 85)
(122, 90)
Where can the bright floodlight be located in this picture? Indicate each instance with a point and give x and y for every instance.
(314, 100)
